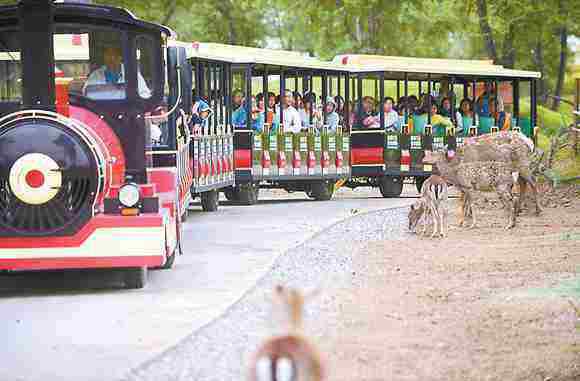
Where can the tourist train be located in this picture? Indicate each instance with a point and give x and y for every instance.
(110, 127)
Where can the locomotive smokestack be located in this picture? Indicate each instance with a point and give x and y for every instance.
(36, 44)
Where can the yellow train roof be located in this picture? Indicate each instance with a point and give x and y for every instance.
(393, 67)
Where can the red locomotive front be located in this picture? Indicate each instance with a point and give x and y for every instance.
(77, 185)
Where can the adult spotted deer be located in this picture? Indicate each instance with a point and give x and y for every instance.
(289, 357)
(481, 176)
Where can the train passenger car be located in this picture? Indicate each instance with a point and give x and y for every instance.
(270, 153)
(408, 107)
(95, 167)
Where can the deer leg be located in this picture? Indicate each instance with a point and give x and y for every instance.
(472, 208)
(532, 183)
(523, 185)
(435, 223)
(461, 209)
(509, 206)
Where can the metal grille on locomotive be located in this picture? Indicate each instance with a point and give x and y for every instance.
(49, 176)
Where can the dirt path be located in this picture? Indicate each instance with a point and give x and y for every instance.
(483, 304)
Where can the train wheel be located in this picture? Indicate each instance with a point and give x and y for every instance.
(322, 191)
(391, 186)
(231, 194)
(210, 200)
(248, 194)
(135, 277)
(419, 183)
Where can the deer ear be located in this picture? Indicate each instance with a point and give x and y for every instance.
(279, 289)
(412, 206)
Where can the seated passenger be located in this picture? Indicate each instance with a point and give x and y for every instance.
(201, 113)
(487, 100)
(332, 119)
(366, 117)
(239, 117)
(292, 121)
(309, 103)
(339, 102)
(391, 117)
(445, 107)
(465, 117)
(441, 125)
(108, 81)
(237, 98)
(261, 104)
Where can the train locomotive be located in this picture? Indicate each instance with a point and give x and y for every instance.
(96, 161)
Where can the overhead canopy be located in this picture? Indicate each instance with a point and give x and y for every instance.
(256, 56)
(392, 67)
(437, 68)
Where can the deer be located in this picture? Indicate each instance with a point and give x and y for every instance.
(288, 357)
(432, 206)
(482, 176)
(509, 147)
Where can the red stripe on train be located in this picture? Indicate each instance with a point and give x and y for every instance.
(79, 263)
(99, 222)
(243, 158)
(367, 155)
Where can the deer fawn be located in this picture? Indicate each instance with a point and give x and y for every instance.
(290, 357)
(432, 207)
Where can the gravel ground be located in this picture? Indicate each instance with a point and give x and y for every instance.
(221, 351)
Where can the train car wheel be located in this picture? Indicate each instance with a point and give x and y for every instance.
(322, 191)
(210, 200)
(231, 194)
(135, 278)
(391, 186)
(419, 183)
(248, 194)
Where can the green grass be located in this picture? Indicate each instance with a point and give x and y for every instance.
(566, 164)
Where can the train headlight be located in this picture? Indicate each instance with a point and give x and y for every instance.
(129, 195)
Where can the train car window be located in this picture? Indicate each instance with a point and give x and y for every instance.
(146, 64)
(10, 68)
(93, 62)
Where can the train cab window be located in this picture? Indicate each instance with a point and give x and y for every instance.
(10, 68)
(146, 64)
(93, 63)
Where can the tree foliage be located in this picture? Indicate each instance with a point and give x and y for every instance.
(525, 34)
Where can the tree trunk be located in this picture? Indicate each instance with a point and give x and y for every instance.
(486, 30)
(562, 66)
(509, 52)
(171, 6)
(225, 8)
(538, 58)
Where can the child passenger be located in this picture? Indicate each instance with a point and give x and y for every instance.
(331, 116)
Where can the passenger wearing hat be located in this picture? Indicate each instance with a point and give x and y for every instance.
(331, 117)
(201, 113)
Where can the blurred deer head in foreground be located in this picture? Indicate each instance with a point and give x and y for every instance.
(289, 357)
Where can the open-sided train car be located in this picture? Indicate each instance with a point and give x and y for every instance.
(383, 158)
(95, 163)
(305, 159)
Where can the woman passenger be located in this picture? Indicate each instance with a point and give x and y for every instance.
(445, 107)
(391, 117)
(332, 119)
(441, 125)
(466, 117)
(261, 106)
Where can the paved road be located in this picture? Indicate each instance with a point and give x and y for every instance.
(66, 326)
